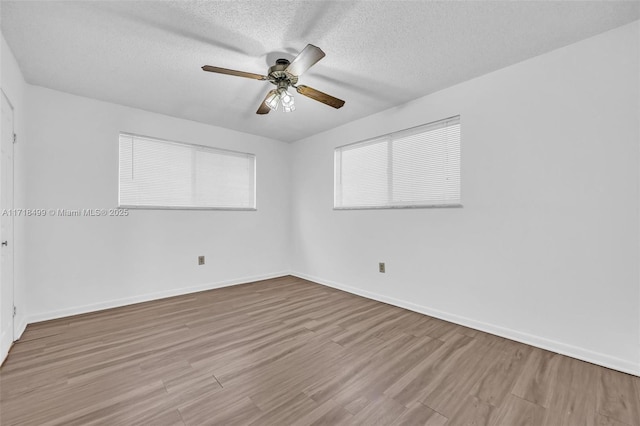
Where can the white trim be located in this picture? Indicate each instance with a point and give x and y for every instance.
(583, 354)
(7, 337)
(77, 310)
(4, 349)
(18, 333)
(22, 325)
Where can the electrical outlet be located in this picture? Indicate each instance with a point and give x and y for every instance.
(200, 260)
(381, 267)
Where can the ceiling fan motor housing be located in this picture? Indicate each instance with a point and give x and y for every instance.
(277, 74)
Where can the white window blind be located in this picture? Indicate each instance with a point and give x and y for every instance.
(417, 167)
(163, 174)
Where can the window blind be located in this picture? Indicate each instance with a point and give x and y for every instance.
(163, 174)
(416, 167)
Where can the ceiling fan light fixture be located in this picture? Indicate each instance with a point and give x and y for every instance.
(285, 97)
(285, 74)
(288, 102)
(272, 101)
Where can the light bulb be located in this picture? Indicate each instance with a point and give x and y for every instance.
(288, 108)
(272, 101)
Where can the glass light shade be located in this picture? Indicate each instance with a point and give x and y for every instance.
(286, 98)
(272, 101)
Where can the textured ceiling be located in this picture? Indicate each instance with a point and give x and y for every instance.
(148, 54)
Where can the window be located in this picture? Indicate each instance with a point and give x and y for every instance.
(162, 174)
(417, 167)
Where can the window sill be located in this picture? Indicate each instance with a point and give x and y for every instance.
(435, 206)
(252, 209)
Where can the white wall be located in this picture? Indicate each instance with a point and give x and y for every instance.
(545, 250)
(13, 85)
(79, 264)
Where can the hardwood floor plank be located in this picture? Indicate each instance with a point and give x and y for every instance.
(289, 375)
(617, 397)
(419, 414)
(516, 411)
(219, 408)
(474, 412)
(372, 382)
(498, 380)
(365, 328)
(439, 329)
(355, 406)
(287, 351)
(354, 365)
(535, 382)
(417, 382)
(337, 416)
(445, 392)
(607, 421)
(383, 411)
(315, 415)
(288, 411)
(98, 409)
(573, 400)
(188, 379)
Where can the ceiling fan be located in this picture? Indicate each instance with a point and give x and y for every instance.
(284, 74)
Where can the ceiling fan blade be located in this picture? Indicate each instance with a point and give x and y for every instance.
(305, 60)
(264, 109)
(233, 72)
(320, 96)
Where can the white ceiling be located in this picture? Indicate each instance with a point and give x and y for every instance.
(148, 54)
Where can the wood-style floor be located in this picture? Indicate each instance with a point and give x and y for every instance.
(287, 351)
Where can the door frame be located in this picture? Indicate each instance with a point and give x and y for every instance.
(11, 231)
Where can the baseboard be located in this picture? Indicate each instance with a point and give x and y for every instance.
(77, 310)
(5, 345)
(22, 325)
(529, 339)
